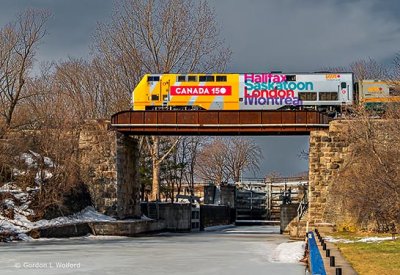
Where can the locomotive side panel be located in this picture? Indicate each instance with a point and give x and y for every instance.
(295, 91)
(249, 91)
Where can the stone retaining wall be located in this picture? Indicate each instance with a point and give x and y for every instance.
(212, 215)
(127, 228)
(63, 231)
(288, 215)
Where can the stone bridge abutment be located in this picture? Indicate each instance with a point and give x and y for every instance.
(109, 166)
(327, 153)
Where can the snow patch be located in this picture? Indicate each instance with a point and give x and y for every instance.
(337, 240)
(375, 239)
(42, 175)
(360, 240)
(145, 218)
(218, 227)
(89, 214)
(8, 203)
(290, 252)
(104, 237)
(31, 158)
(10, 187)
(28, 159)
(20, 224)
(24, 237)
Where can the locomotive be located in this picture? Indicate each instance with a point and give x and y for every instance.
(322, 91)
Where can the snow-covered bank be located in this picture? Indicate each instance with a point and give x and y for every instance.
(290, 252)
(360, 240)
(21, 224)
(15, 208)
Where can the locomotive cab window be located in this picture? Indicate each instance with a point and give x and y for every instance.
(192, 78)
(221, 78)
(181, 78)
(328, 96)
(153, 78)
(307, 96)
(206, 78)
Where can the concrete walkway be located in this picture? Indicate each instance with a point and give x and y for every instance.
(340, 261)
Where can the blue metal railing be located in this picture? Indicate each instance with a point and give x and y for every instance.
(316, 262)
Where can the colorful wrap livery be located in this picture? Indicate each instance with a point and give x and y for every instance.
(247, 91)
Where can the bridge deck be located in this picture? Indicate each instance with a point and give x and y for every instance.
(219, 122)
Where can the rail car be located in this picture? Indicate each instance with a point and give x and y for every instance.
(376, 95)
(328, 92)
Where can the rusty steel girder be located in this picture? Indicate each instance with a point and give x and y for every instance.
(219, 122)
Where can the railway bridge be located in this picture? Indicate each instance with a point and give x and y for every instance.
(109, 152)
(219, 122)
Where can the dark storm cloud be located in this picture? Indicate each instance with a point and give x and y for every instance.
(281, 154)
(287, 35)
(71, 27)
(293, 35)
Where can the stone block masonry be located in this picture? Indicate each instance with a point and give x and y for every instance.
(128, 187)
(328, 151)
(109, 163)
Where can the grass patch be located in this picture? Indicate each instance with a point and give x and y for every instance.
(371, 258)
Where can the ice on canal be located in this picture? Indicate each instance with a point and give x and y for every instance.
(232, 250)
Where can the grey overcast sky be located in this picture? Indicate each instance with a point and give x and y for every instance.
(287, 35)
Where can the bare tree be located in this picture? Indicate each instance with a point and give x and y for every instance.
(368, 69)
(363, 69)
(73, 81)
(153, 36)
(243, 155)
(211, 165)
(160, 37)
(396, 63)
(368, 185)
(18, 44)
(226, 159)
(191, 151)
(395, 77)
(158, 157)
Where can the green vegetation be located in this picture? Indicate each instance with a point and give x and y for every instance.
(371, 258)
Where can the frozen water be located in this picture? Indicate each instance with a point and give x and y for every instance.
(217, 252)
